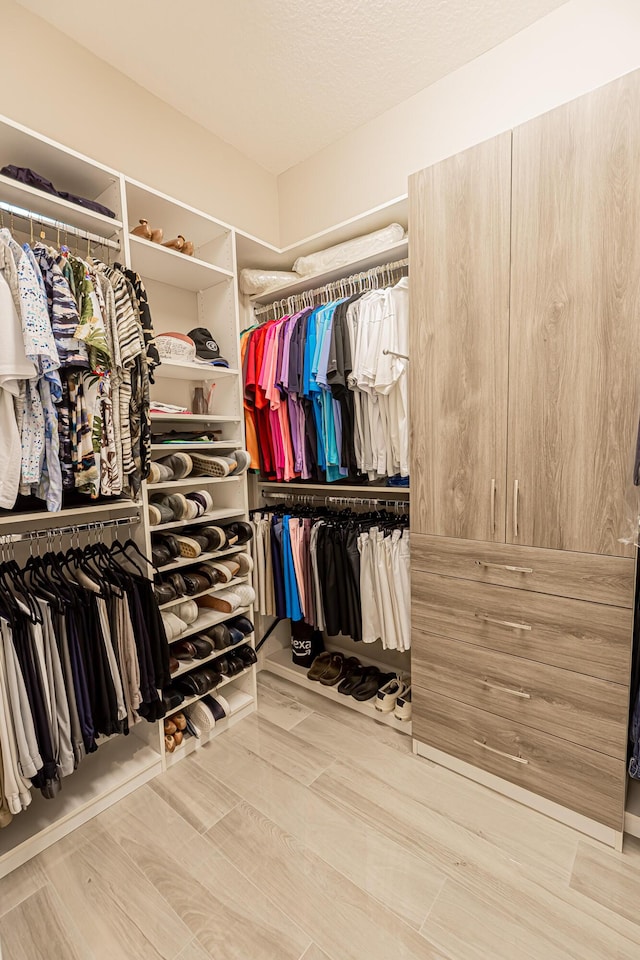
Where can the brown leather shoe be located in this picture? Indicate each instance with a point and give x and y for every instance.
(157, 235)
(187, 248)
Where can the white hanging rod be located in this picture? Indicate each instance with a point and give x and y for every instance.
(53, 532)
(24, 214)
(344, 501)
(356, 283)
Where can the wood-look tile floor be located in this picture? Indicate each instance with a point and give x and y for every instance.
(310, 833)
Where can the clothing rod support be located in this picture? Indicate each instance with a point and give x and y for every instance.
(344, 501)
(24, 214)
(72, 528)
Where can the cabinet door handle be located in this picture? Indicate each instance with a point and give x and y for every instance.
(493, 506)
(502, 623)
(514, 693)
(516, 486)
(503, 566)
(501, 753)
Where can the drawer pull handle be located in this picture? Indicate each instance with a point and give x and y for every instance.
(501, 753)
(503, 623)
(503, 566)
(514, 693)
(493, 506)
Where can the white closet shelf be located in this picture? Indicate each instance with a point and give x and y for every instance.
(188, 561)
(191, 482)
(280, 663)
(155, 262)
(189, 701)
(207, 620)
(174, 216)
(222, 513)
(176, 370)
(30, 198)
(62, 517)
(203, 593)
(189, 665)
(398, 251)
(119, 766)
(191, 744)
(206, 446)
(193, 418)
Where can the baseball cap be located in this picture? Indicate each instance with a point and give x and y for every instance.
(207, 349)
(175, 346)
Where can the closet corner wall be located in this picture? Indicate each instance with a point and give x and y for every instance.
(525, 258)
(184, 292)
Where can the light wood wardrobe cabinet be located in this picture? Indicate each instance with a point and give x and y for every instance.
(525, 396)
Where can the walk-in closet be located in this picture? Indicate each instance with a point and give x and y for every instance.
(319, 471)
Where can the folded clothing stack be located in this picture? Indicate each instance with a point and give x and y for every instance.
(190, 542)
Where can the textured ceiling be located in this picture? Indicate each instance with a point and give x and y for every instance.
(280, 79)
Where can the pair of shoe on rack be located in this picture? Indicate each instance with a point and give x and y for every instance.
(351, 677)
(395, 697)
(191, 542)
(203, 715)
(209, 574)
(155, 236)
(203, 645)
(174, 727)
(179, 466)
(169, 507)
(201, 681)
(177, 619)
(226, 601)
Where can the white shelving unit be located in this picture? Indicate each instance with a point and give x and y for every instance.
(184, 293)
(281, 665)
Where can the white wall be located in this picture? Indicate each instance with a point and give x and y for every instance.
(578, 47)
(52, 84)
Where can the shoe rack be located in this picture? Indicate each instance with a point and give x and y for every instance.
(186, 292)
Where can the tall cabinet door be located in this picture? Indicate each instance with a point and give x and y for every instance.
(574, 365)
(459, 225)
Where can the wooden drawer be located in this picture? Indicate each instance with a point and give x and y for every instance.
(585, 710)
(573, 776)
(583, 576)
(589, 638)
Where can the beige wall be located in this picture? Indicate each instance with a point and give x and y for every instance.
(580, 46)
(52, 84)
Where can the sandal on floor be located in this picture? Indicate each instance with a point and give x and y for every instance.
(334, 671)
(319, 666)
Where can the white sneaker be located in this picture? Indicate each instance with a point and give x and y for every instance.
(387, 696)
(403, 705)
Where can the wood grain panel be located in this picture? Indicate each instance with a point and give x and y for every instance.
(580, 779)
(574, 390)
(585, 710)
(459, 223)
(589, 638)
(584, 576)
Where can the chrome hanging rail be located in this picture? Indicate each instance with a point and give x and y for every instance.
(74, 528)
(336, 501)
(345, 287)
(67, 228)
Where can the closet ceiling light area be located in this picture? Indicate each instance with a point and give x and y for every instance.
(355, 47)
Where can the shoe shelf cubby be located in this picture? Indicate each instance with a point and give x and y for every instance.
(189, 665)
(176, 370)
(191, 482)
(205, 446)
(222, 513)
(204, 593)
(191, 744)
(280, 664)
(181, 562)
(207, 620)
